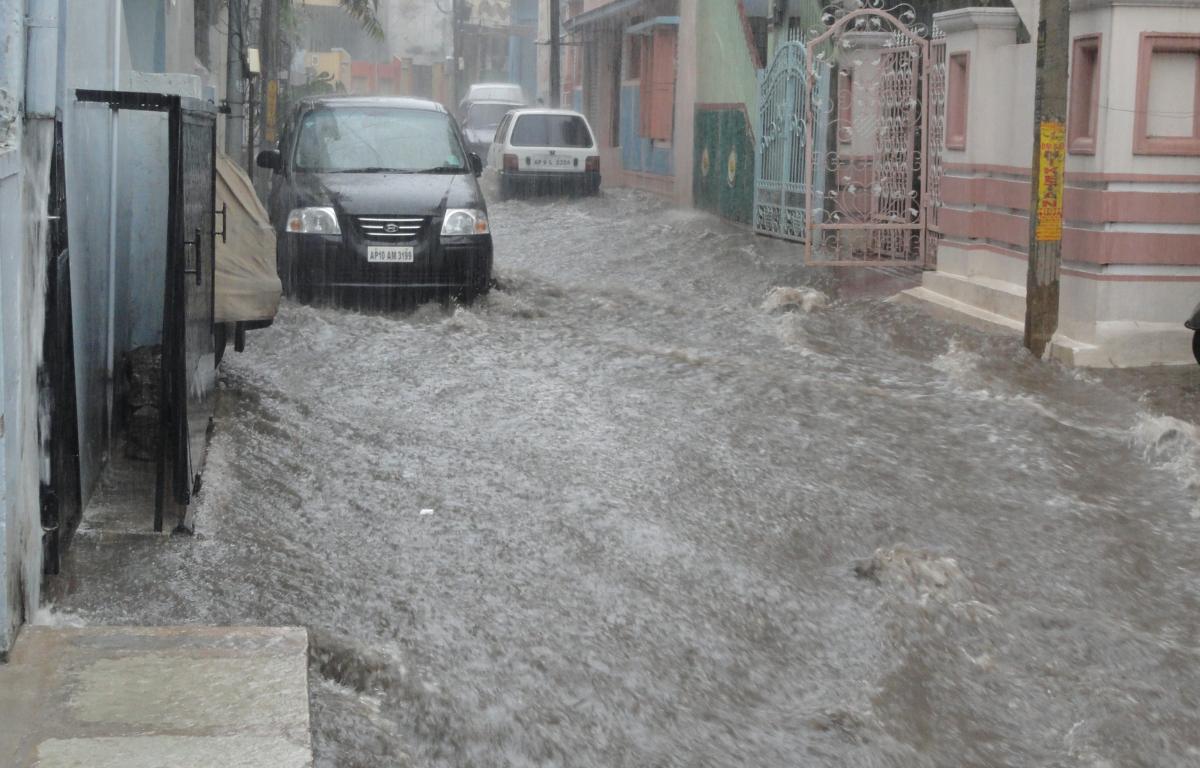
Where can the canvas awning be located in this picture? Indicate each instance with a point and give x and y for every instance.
(646, 27)
(603, 12)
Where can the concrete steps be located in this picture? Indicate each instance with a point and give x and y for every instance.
(138, 697)
(947, 308)
(996, 297)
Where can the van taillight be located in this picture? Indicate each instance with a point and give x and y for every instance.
(593, 164)
(511, 163)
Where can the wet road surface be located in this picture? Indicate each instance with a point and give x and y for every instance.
(636, 509)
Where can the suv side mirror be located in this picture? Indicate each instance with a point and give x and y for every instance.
(270, 158)
(476, 164)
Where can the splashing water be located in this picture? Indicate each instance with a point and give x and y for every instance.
(648, 507)
(783, 299)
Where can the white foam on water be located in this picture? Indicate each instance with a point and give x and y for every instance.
(510, 305)
(925, 579)
(960, 364)
(49, 616)
(465, 321)
(1173, 444)
(788, 299)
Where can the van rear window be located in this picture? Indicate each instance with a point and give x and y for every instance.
(551, 131)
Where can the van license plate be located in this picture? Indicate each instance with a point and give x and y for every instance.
(551, 162)
(380, 254)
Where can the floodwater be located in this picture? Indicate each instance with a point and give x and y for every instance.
(637, 508)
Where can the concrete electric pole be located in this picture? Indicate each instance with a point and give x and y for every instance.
(234, 80)
(555, 53)
(461, 13)
(269, 48)
(1049, 176)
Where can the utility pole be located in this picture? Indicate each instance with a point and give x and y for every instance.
(269, 78)
(555, 53)
(234, 79)
(461, 12)
(1049, 176)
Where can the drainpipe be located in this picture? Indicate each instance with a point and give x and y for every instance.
(41, 69)
(113, 166)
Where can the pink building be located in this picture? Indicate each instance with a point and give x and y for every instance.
(1131, 238)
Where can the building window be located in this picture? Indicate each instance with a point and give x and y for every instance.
(795, 30)
(633, 57)
(1167, 110)
(1085, 96)
(958, 100)
(202, 19)
(756, 25)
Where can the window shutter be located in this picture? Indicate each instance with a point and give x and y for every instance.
(662, 85)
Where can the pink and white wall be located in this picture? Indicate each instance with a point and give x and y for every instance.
(1131, 243)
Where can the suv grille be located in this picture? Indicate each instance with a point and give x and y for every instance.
(391, 227)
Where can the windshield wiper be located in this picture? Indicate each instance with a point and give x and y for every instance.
(443, 169)
(374, 170)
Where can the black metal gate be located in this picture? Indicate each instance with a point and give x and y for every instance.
(188, 363)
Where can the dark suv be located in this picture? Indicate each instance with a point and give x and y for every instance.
(376, 200)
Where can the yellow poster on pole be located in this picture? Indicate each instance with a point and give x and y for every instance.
(1051, 172)
(270, 129)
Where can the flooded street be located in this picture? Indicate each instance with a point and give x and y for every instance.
(637, 508)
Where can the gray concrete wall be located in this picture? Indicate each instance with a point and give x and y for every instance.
(13, 510)
(94, 30)
(141, 208)
(116, 197)
(10, 243)
(24, 182)
(117, 190)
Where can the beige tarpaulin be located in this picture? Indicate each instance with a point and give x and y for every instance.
(247, 283)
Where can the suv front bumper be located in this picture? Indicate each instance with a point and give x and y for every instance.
(311, 263)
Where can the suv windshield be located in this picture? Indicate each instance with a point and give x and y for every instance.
(350, 139)
(487, 115)
(551, 131)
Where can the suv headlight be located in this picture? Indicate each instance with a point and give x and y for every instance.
(313, 221)
(462, 221)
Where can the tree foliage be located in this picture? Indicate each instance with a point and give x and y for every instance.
(366, 12)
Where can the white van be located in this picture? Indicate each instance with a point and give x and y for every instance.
(545, 150)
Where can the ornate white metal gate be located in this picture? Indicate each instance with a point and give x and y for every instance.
(935, 144)
(780, 196)
(846, 149)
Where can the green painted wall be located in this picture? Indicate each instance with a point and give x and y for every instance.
(727, 106)
(726, 92)
(724, 162)
(726, 73)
